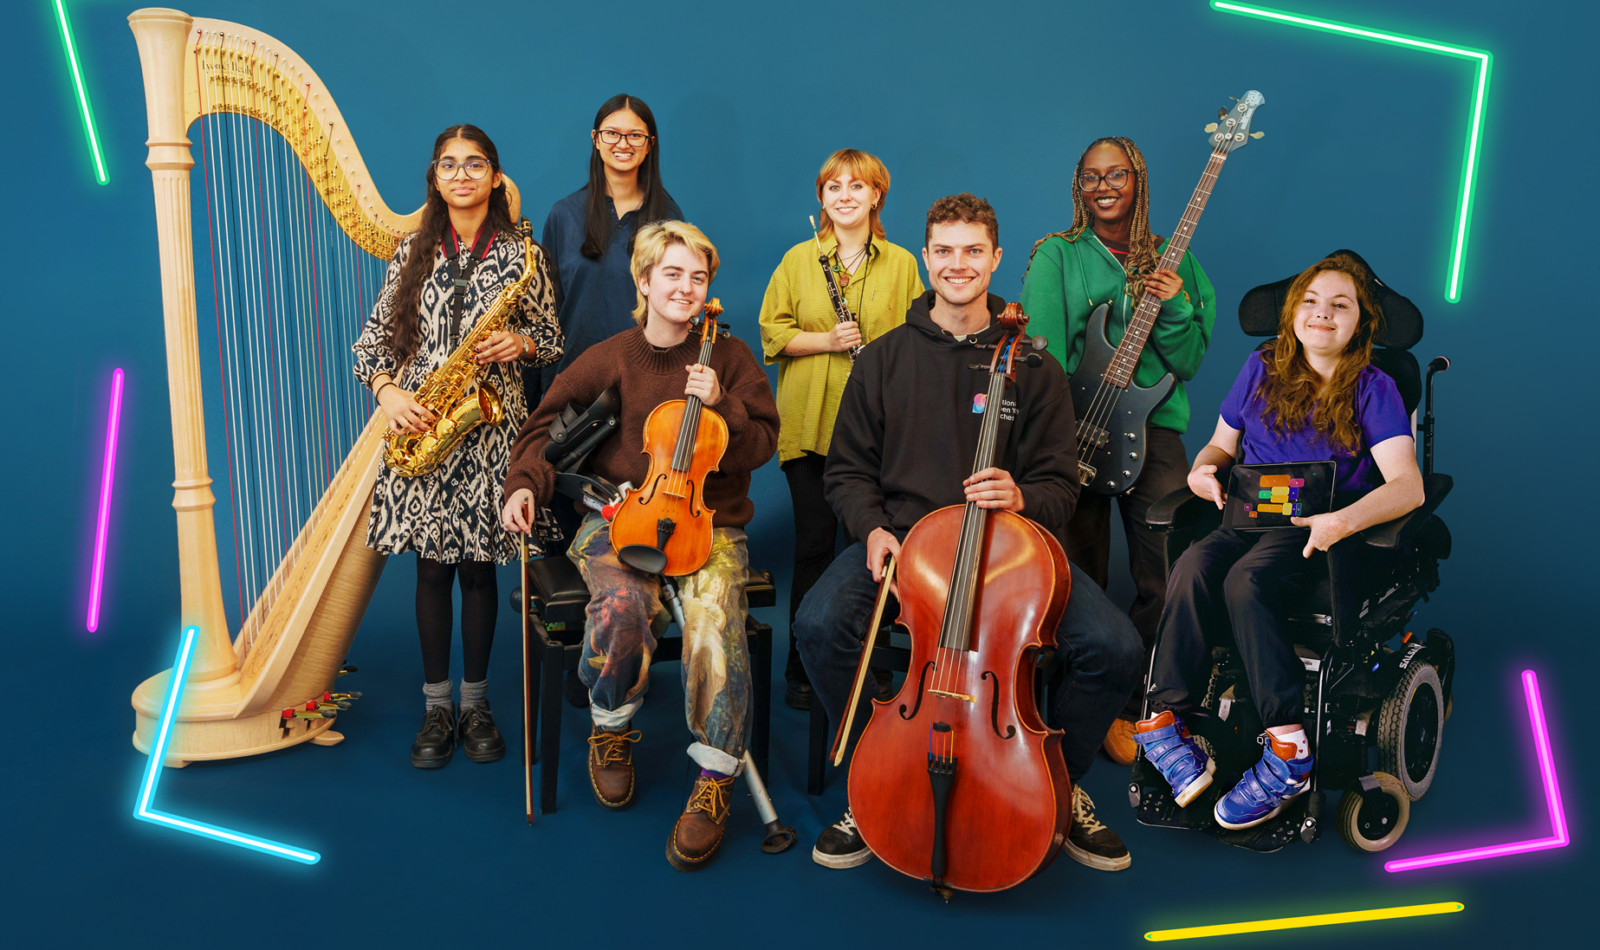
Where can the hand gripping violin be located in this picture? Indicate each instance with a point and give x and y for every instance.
(667, 512)
(957, 780)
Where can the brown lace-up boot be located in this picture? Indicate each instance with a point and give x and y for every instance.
(698, 833)
(611, 767)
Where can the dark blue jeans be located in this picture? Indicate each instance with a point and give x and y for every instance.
(1102, 651)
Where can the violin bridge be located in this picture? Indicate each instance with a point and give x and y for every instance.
(673, 494)
(961, 696)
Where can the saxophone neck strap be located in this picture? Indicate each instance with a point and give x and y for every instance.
(461, 279)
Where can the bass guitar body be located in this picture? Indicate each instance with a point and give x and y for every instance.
(1111, 453)
(996, 807)
(668, 510)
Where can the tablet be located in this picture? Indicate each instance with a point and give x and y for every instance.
(1268, 496)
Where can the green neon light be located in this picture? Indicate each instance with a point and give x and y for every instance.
(1469, 170)
(83, 95)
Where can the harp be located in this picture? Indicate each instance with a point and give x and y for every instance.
(296, 241)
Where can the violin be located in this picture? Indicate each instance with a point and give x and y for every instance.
(665, 520)
(958, 780)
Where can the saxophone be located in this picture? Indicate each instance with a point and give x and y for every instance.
(452, 393)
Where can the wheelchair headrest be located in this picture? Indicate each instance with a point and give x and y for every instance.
(577, 430)
(1402, 321)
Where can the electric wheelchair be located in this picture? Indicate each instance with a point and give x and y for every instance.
(1375, 706)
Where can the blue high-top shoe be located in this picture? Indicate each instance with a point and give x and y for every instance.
(1167, 745)
(1265, 789)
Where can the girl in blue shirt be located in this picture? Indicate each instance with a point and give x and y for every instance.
(1311, 396)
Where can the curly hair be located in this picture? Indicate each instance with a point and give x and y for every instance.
(1142, 244)
(966, 208)
(1292, 390)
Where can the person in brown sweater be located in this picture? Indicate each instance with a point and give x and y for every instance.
(673, 265)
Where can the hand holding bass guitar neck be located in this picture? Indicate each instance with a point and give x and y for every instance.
(1113, 411)
(685, 441)
(840, 311)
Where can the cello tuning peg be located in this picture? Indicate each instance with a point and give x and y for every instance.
(1211, 126)
(1256, 135)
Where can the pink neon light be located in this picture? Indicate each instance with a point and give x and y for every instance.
(112, 421)
(1552, 794)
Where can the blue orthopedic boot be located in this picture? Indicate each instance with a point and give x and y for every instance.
(1265, 789)
(1167, 745)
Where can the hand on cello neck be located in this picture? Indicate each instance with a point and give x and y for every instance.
(993, 488)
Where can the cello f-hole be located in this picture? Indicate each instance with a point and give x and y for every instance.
(994, 708)
(922, 680)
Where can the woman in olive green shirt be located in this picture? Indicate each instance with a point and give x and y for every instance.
(801, 333)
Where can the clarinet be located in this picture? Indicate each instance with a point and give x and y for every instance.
(840, 311)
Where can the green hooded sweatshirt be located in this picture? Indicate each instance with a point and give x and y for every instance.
(1067, 279)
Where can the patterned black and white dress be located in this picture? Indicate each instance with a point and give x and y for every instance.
(452, 513)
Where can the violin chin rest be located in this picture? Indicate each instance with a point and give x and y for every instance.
(643, 558)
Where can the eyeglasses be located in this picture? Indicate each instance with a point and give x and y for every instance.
(612, 137)
(448, 169)
(1116, 178)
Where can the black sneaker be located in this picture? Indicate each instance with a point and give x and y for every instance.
(1090, 842)
(436, 740)
(840, 845)
(798, 694)
(480, 740)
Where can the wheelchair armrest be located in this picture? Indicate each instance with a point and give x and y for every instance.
(1178, 510)
(590, 490)
(1399, 532)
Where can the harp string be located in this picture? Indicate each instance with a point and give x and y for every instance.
(290, 293)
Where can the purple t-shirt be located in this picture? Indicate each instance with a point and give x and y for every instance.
(1380, 415)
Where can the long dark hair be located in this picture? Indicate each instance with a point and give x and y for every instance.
(1142, 244)
(418, 265)
(597, 219)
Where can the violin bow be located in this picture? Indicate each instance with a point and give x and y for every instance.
(527, 703)
(864, 663)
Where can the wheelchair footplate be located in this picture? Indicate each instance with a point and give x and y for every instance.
(1157, 809)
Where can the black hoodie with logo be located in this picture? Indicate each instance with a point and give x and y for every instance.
(907, 431)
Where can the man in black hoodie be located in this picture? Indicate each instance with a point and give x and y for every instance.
(903, 445)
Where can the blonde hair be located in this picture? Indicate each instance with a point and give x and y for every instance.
(863, 166)
(650, 246)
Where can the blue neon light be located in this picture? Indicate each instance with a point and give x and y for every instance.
(152, 777)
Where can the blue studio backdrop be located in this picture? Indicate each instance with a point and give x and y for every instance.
(1364, 150)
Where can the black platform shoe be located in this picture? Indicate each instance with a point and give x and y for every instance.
(480, 740)
(436, 740)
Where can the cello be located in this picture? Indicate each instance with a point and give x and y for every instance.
(664, 526)
(958, 780)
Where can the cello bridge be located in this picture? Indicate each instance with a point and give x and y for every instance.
(961, 696)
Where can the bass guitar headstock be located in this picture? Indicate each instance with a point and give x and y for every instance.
(1232, 128)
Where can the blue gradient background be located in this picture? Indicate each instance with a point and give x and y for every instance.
(1363, 149)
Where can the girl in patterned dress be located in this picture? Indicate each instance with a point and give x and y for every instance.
(444, 278)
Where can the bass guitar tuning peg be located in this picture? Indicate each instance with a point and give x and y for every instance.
(1211, 126)
(1257, 135)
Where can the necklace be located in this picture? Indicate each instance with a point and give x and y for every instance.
(842, 269)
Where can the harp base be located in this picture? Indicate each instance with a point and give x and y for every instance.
(205, 728)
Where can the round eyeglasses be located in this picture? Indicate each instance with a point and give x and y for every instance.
(612, 137)
(448, 169)
(1116, 178)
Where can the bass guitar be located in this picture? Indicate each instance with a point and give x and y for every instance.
(668, 513)
(1113, 411)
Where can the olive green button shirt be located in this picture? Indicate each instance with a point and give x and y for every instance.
(810, 387)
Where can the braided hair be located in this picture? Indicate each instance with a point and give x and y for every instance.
(1142, 244)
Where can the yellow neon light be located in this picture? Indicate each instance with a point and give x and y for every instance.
(1315, 920)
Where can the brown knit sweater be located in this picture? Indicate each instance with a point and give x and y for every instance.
(646, 377)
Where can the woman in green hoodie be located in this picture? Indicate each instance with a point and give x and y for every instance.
(1110, 256)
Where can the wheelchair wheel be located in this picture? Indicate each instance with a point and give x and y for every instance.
(1376, 823)
(1410, 728)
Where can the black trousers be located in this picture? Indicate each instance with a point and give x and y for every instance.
(1166, 469)
(1243, 580)
(815, 532)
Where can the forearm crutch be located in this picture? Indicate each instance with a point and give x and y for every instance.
(779, 836)
(864, 664)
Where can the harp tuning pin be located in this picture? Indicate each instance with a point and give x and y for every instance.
(1211, 126)
(1257, 135)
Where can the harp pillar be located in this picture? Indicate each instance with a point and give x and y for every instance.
(162, 38)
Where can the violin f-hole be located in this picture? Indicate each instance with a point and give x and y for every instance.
(994, 708)
(922, 680)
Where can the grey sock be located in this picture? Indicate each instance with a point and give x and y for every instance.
(475, 694)
(438, 694)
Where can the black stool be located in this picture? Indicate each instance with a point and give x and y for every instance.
(557, 597)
